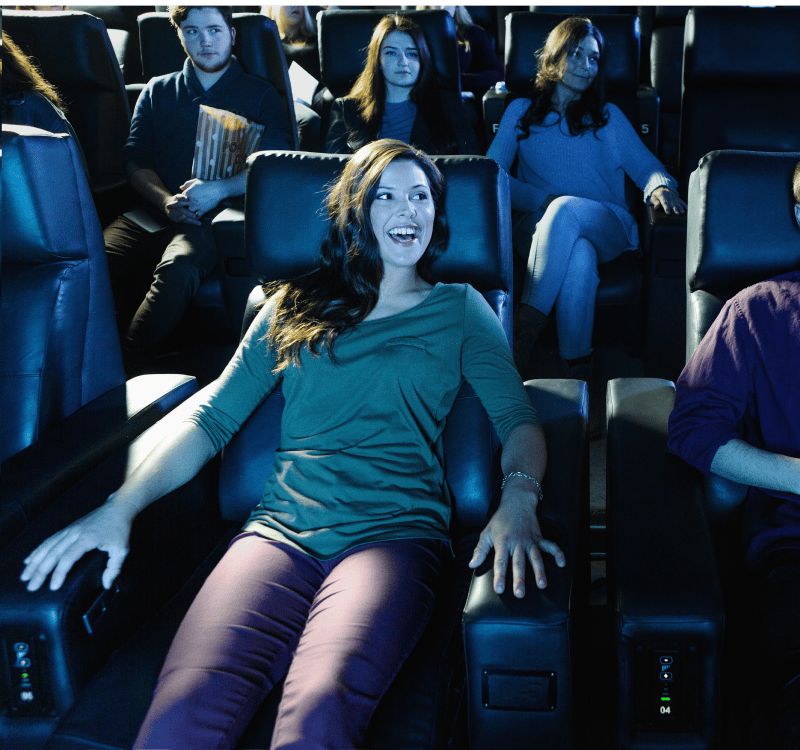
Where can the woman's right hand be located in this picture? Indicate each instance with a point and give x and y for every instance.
(107, 529)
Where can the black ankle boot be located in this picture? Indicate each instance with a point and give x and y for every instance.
(528, 324)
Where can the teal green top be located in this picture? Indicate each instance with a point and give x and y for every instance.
(360, 457)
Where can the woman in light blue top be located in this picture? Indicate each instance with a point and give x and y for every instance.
(574, 151)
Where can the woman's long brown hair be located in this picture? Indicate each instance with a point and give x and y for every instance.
(587, 111)
(369, 90)
(314, 309)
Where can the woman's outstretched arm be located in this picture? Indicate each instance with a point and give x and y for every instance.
(173, 462)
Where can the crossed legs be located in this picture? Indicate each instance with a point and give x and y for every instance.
(571, 238)
(341, 628)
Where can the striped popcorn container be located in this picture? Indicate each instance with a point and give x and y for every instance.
(224, 141)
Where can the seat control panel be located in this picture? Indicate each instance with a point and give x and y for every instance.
(666, 688)
(23, 672)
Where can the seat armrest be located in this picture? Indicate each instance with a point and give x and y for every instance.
(73, 630)
(664, 293)
(494, 104)
(664, 589)
(31, 479)
(520, 652)
(649, 109)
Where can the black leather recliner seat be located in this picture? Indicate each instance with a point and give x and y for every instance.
(425, 704)
(676, 563)
(68, 412)
(739, 91)
(526, 32)
(65, 403)
(76, 56)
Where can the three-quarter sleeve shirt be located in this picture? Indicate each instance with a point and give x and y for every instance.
(592, 165)
(360, 457)
(743, 381)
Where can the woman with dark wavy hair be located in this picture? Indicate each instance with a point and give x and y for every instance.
(396, 96)
(574, 150)
(334, 575)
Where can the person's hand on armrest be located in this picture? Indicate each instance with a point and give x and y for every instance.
(668, 200)
(513, 531)
(106, 528)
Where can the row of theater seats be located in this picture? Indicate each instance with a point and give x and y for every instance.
(723, 81)
(674, 567)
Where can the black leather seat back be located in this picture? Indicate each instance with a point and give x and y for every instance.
(59, 346)
(741, 82)
(666, 62)
(741, 230)
(258, 48)
(479, 253)
(123, 31)
(344, 38)
(527, 33)
(76, 56)
(477, 207)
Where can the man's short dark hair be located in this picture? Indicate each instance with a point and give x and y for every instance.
(796, 183)
(178, 13)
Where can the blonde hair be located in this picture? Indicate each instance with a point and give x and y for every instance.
(306, 30)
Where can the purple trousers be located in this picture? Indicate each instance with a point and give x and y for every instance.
(338, 629)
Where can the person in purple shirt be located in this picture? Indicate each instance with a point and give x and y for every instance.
(167, 249)
(737, 415)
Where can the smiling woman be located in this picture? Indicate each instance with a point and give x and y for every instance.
(336, 571)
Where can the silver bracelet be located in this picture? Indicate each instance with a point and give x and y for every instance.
(524, 476)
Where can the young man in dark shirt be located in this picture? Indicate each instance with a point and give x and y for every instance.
(737, 415)
(158, 159)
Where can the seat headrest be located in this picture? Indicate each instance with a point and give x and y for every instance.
(282, 184)
(741, 227)
(526, 33)
(54, 38)
(344, 38)
(163, 54)
(742, 46)
(42, 177)
(670, 15)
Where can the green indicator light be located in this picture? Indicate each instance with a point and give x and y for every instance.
(664, 699)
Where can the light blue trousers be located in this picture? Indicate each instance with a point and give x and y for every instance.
(564, 247)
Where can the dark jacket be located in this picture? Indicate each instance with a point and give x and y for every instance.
(348, 131)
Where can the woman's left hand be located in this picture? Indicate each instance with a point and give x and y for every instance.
(668, 199)
(513, 532)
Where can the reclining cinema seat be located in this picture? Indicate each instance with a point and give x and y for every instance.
(76, 56)
(215, 313)
(64, 399)
(676, 566)
(740, 91)
(620, 279)
(425, 703)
